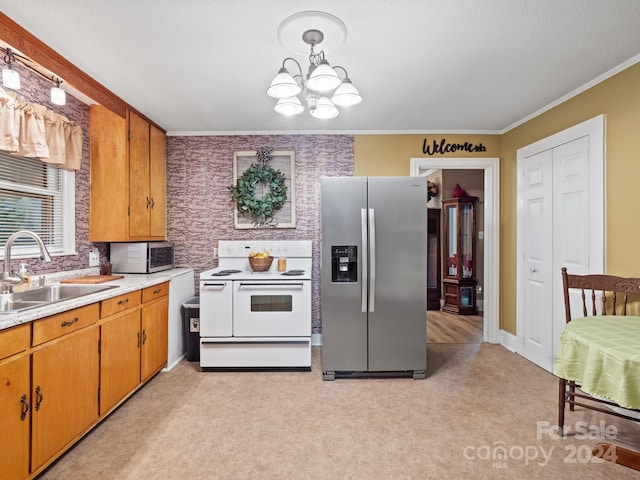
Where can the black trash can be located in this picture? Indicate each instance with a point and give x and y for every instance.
(191, 327)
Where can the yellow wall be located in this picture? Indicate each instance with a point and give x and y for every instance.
(618, 98)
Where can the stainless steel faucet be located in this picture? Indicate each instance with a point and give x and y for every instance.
(9, 278)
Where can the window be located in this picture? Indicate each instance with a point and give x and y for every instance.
(40, 197)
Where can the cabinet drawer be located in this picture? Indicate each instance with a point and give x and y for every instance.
(120, 303)
(156, 291)
(55, 326)
(14, 340)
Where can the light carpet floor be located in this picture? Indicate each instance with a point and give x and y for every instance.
(482, 412)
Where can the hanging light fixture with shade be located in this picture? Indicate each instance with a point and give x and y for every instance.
(58, 95)
(11, 78)
(322, 89)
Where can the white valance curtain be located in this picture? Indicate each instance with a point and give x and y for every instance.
(32, 130)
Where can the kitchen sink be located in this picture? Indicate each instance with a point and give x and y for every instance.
(42, 296)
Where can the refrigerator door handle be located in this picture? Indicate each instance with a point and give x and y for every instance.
(372, 260)
(363, 255)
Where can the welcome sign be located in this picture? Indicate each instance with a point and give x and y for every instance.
(438, 148)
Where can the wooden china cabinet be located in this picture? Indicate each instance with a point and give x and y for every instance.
(459, 255)
(434, 279)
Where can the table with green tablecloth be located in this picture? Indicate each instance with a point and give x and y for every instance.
(602, 354)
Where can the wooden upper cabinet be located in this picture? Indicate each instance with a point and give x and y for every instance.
(109, 176)
(147, 180)
(158, 183)
(128, 178)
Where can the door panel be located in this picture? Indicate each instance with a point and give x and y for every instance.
(120, 359)
(536, 220)
(15, 418)
(344, 324)
(139, 197)
(397, 323)
(65, 392)
(572, 224)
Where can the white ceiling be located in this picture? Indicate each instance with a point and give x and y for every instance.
(421, 65)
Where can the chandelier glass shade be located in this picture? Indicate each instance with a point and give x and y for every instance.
(322, 88)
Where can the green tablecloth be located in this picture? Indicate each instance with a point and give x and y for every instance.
(603, 355)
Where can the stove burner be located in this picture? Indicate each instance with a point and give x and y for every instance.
(293, 272)
(224, 273)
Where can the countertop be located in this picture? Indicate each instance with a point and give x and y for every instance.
(129, 283)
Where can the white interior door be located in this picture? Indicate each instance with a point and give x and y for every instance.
(560, 224)
(535, 222)
(572, 224)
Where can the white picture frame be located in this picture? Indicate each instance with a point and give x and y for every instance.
(285, 217)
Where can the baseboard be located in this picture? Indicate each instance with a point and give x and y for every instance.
(508, 340)
(169, 367)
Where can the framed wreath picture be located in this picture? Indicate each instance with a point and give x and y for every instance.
(263, 189)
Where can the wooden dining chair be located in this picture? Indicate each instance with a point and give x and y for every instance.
(597, 295)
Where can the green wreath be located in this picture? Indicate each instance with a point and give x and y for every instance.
(243, 192)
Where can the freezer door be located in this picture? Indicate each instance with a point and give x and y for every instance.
(344, 323)
(398, 281)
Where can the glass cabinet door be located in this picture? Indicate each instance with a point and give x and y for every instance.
(452, 241)
(466, 227)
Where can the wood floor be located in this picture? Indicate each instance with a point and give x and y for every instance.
(445, 327)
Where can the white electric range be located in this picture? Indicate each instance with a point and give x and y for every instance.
(257, 319)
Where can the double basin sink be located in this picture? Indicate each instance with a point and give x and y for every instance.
(43, 296)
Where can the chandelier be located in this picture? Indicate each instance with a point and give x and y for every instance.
(322, 89)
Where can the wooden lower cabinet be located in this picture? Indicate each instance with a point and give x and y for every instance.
(64, 393)
(120, 340)
(60, 375)
(15, 417)
(154, 337)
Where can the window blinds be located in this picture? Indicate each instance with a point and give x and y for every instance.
(31, 197)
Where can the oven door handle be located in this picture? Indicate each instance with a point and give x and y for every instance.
(213, 286)
(270, 286)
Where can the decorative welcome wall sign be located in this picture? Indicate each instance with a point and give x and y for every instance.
(443, 147)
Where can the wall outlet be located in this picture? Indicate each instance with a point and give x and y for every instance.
(94, 258)
(215, 252)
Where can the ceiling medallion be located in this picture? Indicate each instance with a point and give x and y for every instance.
(322, 88)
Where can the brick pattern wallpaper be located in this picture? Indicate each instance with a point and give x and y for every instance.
(200, 210)
(37, 90)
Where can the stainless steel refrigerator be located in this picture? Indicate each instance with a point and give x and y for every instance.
(374, 276)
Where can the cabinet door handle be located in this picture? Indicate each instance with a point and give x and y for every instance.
(123, 302)
(157, 291)
(69, 322)
(144, 337)
(148, 202)
(39, 398)
(152, 202)
(139, 340)
(25, 407)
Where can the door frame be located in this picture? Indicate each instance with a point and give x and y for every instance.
(491, 282)
(594, 130)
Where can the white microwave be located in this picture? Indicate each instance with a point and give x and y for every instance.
(142, 257)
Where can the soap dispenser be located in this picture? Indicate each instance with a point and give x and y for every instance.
(26, 279)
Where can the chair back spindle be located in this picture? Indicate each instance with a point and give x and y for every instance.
(606, 294)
